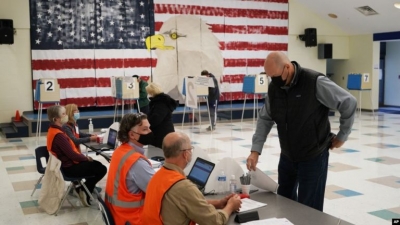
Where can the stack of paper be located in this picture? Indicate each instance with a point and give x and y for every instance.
(263, 181)
(271, 221)
(248, 204)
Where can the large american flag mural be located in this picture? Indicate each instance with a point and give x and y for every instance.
(83, 43)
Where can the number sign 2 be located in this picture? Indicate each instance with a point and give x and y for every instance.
(49, 85)
(191, 96)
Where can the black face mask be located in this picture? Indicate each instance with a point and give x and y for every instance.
(146, 139)
(278, 81)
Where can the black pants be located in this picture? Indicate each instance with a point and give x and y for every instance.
(87, 168)
(213, 104)
(304, 181)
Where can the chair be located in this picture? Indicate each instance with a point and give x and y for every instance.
(105, 212)
(40, 152)
(72, 180)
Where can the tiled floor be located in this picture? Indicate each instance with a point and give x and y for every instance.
(363, 184)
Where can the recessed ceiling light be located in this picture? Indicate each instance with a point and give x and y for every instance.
(397, 5)
(331, 15)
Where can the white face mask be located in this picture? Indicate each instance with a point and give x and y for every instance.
(64, 119)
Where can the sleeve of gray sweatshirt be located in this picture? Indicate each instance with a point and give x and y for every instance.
(335, 97)
(264, 125)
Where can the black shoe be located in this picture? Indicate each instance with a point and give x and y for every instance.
(210, 128)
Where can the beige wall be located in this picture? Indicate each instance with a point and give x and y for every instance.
(15, 64)
(301, 18)
(364, 58)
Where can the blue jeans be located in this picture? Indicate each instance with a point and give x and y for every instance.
(304, 181)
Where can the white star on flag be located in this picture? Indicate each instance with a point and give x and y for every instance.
(101, 28)
(72, 33)
(60, 42)
(91, 21)
(71, 21)
(39, 4)
(83, 40)
(121, 28)
(83, 28)
(92, 34)
(49, 21)
(142, 16)
(71, 11)
(112, 35)
(59, 17)
(38, 30)
(121, 40)
(131, 9)
(101, 3)
(102, 39)
(59, 28)
(38, 42)
(58, 6)
(141, 3)
(82, 16)
(120, 3)
(50, 34)
(112, 22)
(143, 28)
(132, 34)
(143, 39)
(49, 11)
(39, 16)
(101, 17)
(131, 22)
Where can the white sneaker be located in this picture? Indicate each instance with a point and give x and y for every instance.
(84, 198)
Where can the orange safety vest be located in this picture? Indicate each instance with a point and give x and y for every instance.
(51, 134)
(76, 146)
(124, 206)
(158, 186)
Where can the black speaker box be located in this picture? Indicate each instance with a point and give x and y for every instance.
(324, 51)
(6, 32)
(310, 37)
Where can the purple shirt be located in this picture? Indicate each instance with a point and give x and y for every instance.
(64, 151)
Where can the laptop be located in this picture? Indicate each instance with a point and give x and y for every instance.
(112, 138)
(200, 172)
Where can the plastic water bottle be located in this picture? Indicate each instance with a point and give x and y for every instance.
(90, 126)
(232, 184)
(221, 180)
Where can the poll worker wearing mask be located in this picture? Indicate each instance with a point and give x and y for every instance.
(73, 163)
(72, 130)
(173, 199)
(129, 171)
(298, 102)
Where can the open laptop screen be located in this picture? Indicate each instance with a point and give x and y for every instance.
(112, 137)
(200, 172)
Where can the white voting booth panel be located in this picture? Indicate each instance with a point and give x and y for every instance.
(127, 88)
(49, 90)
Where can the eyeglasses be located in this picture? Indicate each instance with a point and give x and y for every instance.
(191, 148)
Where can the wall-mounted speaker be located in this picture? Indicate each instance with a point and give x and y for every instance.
(325, 51)
(6, 32)
(309, 37)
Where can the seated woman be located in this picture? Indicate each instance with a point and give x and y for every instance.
(73, 163)
(71, 127)
(160, 113)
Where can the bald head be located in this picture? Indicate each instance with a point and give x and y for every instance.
(174, 142)
(275, 62)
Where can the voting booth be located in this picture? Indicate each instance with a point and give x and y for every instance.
(360, 82)
(47, 91)
(254, 84)
(124, 88)
(194, 89)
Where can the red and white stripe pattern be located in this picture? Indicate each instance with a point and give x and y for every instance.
(247, 30)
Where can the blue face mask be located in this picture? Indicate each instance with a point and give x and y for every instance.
(77, 116)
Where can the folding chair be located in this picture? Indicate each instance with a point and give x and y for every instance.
(105, 212)
(40, 152)
(72, 180)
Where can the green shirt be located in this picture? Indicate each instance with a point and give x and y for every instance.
(143, 101)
